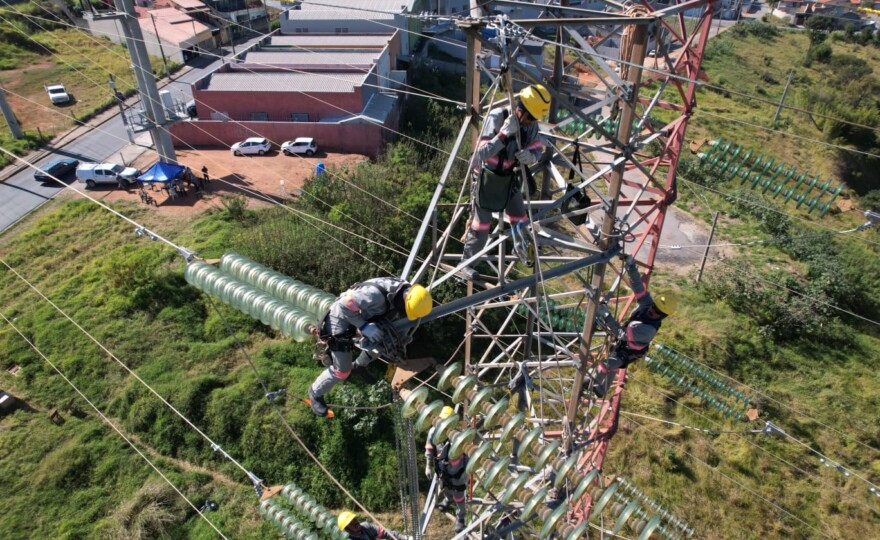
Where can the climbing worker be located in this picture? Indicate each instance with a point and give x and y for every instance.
(496, 182)
(349, 523)
(357, 310)
(632, 340)
(450, 472)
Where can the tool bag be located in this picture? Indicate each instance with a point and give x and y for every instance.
(494, 190)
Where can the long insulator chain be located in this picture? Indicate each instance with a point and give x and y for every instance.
(292, 291)
(290, 320)
(700, 381)
(407, 472)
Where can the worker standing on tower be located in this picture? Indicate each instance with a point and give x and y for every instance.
(357, 310)
(496, 185)
(450, 472)
(631, 341)
(356, 530)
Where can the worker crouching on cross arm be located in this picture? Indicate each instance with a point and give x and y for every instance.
(351, 525)
(633, 338)
(355, 312)
(497, 183)
(450, 472)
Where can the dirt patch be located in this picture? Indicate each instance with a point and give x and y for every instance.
(259, 178)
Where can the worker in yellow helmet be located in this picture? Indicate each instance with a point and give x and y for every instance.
(357, 311)
(631, 341)
(496, 181)
(450, 472)
(349, 523)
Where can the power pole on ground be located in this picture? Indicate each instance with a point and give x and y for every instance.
(708, 245)
(10, 116)
(161, 48)
(782, 99)
(143, 71)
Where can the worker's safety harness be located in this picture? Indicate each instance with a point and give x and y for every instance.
(442, 467)
(345, 341)
(495, 185)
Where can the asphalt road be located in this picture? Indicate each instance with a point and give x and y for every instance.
(21, 194)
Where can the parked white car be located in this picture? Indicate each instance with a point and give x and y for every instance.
(57, 93)
(92, 174)
(302, 145)
(253, 145)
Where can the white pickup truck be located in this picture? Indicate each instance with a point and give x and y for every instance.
(92, 174)
(57, 93)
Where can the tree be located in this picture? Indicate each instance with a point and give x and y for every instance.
(819, 23)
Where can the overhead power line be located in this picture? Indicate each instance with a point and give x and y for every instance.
(113, 427)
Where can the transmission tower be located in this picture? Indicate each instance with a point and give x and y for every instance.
(535, 435)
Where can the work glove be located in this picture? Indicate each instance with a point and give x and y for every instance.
(372, 332)
(525, 157)
(429, 469)
(509, 127)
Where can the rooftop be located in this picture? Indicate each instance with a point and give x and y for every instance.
(332, 40)
(312, 58)
(172, 25)
(283, 81)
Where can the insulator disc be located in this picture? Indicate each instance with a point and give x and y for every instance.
(493, 414)
(533, 503)
(562, 472)
(482, 452)
(494, 471)
(419, 396)
(604, 499)
(579, 532)
(441, 432)
(531, 438)
(550, 522)
(474, 405)
(427, 415)
(584, 485)
(625, 515)
(462, 387)
(511, 426)
(649, 529)
(461, 441)
(546, 454)
(512, 487)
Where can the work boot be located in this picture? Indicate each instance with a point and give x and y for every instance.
(319, 406)
(459, 526)
(364, 374)
(601, 380)
(468, 274)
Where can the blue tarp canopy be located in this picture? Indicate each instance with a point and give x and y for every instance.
(162, 173)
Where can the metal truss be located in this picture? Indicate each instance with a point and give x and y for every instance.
(608, 179)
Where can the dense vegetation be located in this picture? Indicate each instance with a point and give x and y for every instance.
(80, 480)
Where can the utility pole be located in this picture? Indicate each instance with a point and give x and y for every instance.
(10, 116)
(161, 49)
(708, 245)
(146, 83)
(782, 99)
(633, 75)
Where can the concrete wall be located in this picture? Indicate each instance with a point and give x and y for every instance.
(278, 105)
(356, 138)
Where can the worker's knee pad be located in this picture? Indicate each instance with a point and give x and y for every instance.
(341, 375)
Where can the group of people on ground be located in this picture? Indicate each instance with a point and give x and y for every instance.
(509, 140)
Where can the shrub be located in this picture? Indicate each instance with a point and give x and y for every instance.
(149, 514)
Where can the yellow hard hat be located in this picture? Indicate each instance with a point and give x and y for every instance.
(666, 302)
(536, 100)
(418, 302)
(345, 519)
(446, 412)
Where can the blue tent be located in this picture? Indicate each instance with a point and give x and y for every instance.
(162, 173)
